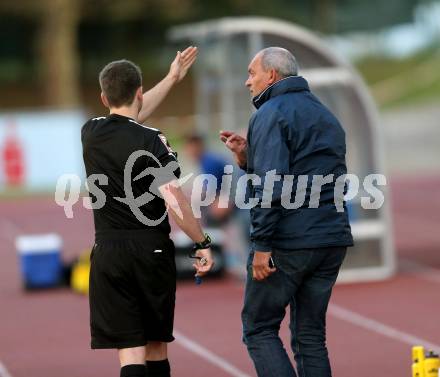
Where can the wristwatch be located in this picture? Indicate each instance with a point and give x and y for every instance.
(206, 243)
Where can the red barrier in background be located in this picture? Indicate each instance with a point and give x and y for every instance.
(13, 157)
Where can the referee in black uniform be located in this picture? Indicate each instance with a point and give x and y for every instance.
(133, 272)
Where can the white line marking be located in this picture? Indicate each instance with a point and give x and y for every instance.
(419, 270)
(3, 371)
(378, 327)
(209, 356)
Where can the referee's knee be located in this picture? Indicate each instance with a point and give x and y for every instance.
(134, 355)
(155, 351)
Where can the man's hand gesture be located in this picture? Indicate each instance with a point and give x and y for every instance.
(237, 144)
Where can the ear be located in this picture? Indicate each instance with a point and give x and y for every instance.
(104, 100)
(139, 94)
(273, 76)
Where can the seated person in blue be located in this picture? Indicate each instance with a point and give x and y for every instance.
(209, 163)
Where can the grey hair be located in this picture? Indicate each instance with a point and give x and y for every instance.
(279, 59)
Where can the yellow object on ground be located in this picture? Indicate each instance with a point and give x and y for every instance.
(79, 280)
(424, 365)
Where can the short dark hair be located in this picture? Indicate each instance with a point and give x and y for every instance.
(119, 81)
(194, 137)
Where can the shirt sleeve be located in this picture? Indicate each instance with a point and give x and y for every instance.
(84, 131)
(271, 159)
(169, 168)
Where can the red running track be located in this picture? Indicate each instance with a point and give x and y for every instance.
(371, 326)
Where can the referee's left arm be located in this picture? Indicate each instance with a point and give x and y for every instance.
(175, 200)
(181, 211)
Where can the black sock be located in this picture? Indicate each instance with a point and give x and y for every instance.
(159, 368)
(133, 370)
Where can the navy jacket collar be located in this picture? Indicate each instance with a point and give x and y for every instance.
(286, 85)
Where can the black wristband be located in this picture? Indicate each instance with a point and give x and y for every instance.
(206, 243)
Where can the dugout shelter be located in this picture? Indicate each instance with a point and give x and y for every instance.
(222, 102)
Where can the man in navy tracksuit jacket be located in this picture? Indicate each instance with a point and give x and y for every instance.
(299, 237)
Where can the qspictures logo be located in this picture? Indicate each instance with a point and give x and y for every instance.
(251, 190)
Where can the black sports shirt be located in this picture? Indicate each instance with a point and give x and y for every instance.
(109, 143)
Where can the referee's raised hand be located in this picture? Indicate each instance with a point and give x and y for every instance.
(178, 70)
(182, 63)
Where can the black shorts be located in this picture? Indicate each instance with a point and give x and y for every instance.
(132, 289)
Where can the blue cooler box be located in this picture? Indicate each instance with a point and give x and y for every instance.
(40, 260)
